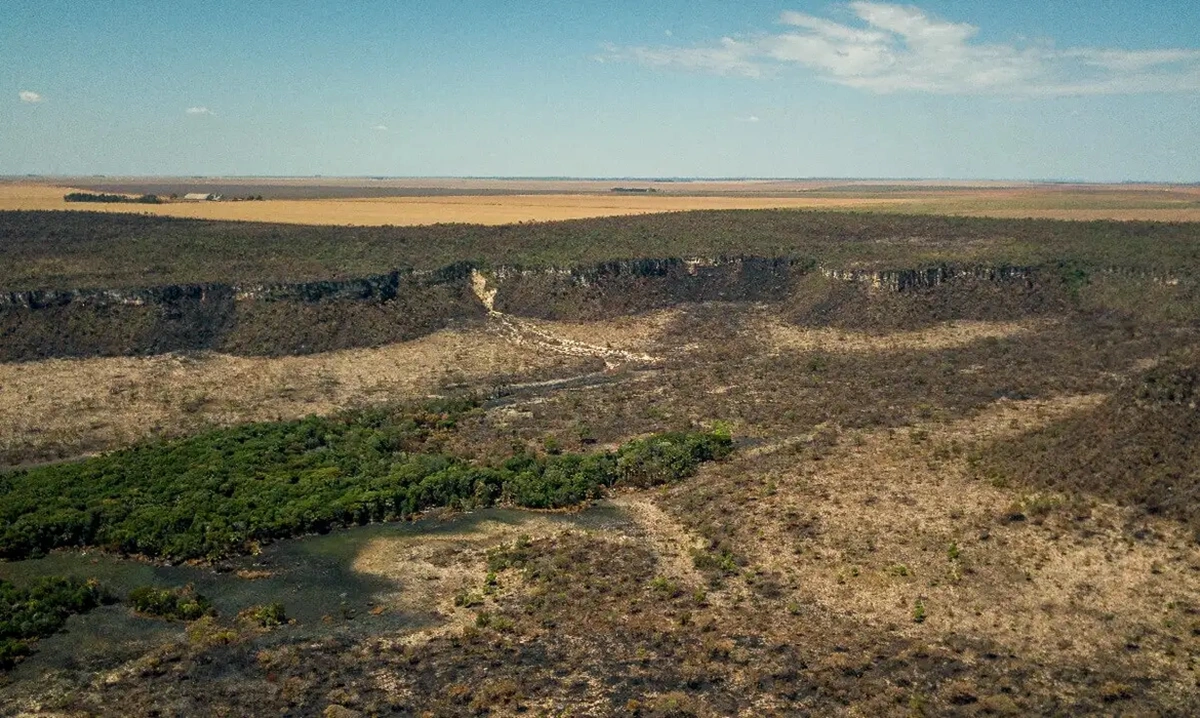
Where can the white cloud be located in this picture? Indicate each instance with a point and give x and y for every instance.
(199, 111)
(729, 57)
(30, 96)
(380, 128)
(748, 118)
(901, 48)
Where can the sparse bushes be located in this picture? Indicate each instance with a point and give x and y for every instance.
(919, 614)
(1138, 448)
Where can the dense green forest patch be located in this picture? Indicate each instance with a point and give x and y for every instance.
(218, 493)
(27, 614)
(89, 250)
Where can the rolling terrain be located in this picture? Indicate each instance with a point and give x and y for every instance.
(961, 476)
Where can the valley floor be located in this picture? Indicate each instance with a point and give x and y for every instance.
(866, 550)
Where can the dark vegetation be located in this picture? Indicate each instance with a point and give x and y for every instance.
(216, 494)
(69, 250)
(27, 614)
(1140, 447)
(585, 623)
(111, 198)
(328, 288)
(295, 319)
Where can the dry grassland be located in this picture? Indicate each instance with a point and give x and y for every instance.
(430, 569)
(401, 211)
(62, 407)
(870, 548)
(1174, 204)
(944, 336)
(899, 520)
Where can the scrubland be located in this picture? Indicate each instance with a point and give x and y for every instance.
(969, 498)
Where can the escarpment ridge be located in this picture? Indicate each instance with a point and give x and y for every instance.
(313, 316)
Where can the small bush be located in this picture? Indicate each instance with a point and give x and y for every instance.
(173, 604)
(267, 615)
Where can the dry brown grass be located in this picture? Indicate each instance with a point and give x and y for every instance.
(583, 200)
(824, 523)
(401, 211)
(889, 505)
(62, 406)
(947, 335)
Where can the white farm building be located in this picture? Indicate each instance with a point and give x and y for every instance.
(201, 197)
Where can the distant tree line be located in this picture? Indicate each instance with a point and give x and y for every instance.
(111, 198)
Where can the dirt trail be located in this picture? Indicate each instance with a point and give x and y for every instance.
(523, 332)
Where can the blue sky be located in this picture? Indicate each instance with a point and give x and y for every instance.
(1061, 89)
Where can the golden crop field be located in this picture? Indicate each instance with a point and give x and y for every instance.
(1160, 203)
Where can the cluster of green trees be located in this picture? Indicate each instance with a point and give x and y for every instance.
(111, 198)
(177, 604)
(27, 614)
(215, 494)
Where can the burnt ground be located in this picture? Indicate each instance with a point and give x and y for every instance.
(939, 506)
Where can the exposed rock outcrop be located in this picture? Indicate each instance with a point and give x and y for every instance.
(305, 317)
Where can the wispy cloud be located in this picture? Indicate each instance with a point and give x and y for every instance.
(748, 118)
(199, 111)
(898, 48)
(728, 57)
(379, 128)
(30, 96)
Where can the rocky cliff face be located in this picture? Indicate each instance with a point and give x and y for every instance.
(615, 288)
(898, 280)
(261, 319)
(403, 304)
